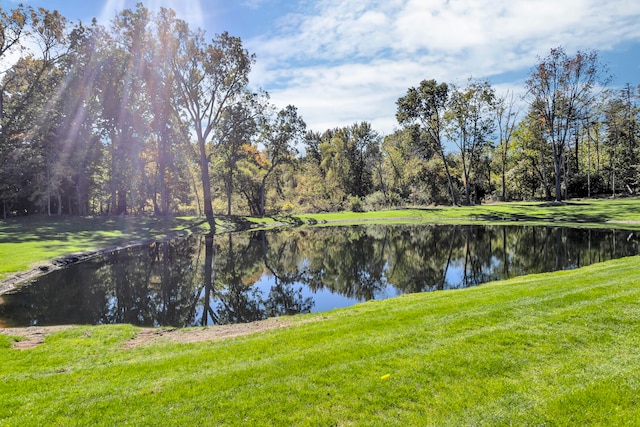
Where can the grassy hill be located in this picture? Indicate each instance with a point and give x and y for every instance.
(549, 349)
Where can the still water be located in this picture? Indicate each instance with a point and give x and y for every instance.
(242, 277)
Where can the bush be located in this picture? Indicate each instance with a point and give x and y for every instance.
(355, 204)
(375, 201)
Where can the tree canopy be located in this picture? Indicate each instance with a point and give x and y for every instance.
(149, 116)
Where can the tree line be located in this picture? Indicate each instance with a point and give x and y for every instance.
(147, 115)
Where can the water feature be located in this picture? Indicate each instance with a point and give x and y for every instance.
(242, 277)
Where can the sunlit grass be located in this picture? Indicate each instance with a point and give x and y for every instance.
(26, 241)
(550, 349)
(601, 212)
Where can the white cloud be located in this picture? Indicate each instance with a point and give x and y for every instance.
(341, 62)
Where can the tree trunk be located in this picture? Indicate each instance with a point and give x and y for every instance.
(449, 179)
(121, 207)
(206, 186)
(504, 192)
(263, 196)
(467, 185)
(162, 176)
(557, 164)
(229, 191)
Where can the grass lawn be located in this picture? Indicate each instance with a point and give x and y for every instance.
(602, 212)
(26, 241)
(551, 349)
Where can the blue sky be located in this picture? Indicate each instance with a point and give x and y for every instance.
(343, 61)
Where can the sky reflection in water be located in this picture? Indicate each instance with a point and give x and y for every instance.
(242, 277)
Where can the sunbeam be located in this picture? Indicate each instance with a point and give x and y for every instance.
(190, 11)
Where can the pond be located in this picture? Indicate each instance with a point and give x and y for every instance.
(242, 277)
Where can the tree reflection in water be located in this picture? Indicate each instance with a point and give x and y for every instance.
(242, 277)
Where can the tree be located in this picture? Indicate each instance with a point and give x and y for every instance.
(238, 126)
(29, 106)
(13, 29)
(166, 126)
(621, 116)
(209, 76)
(79, 133)
(530, 173)
(560, 89)
(125, 106)
(363, 153)
(470, 123)
(280, 135)
(506, 121)
(426, 105)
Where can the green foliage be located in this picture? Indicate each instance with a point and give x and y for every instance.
(378, 200)
(98, 120)
(355, 204)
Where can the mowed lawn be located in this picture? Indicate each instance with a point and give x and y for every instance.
(551, 349)
(24, 242)
(600, 212)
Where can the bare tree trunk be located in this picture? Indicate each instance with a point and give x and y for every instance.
(545, 177)
(206, 186)
(229, 191)
(449, 179)
(162, 175)
(557, 164)
(263, 190)
(504, 191)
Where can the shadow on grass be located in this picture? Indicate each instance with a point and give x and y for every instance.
(575, 212)
(103, 230)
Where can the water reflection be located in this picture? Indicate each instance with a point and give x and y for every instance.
(243, 277)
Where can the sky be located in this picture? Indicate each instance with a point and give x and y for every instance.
(346, 61)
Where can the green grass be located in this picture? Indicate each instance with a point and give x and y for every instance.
(601, 211)
(551, 349)
(558, 349)
(25, 242)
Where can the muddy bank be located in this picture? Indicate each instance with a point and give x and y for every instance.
(33, 336)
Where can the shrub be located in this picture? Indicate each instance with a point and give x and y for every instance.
(355, 204)
(375, 201)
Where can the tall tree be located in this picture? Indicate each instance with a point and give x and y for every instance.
(13, 30)
(506, 121)
(209, 76)
(559, 89)
(29, 103)
(426, 106)
(621, 115)
(470, 124)
(238, 127)
(79, 133)
(165, 123)
(280, 135)
(124, 105)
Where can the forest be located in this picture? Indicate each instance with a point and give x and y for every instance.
(149, 116)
